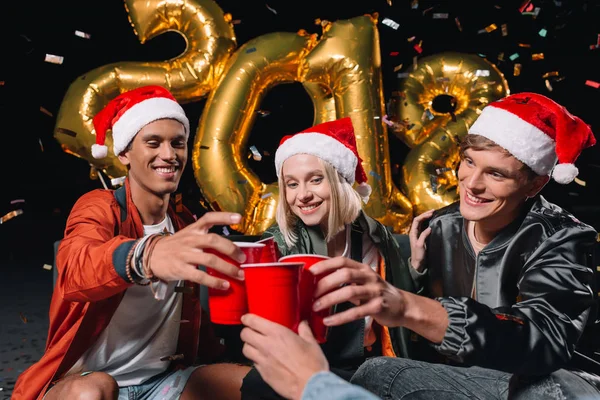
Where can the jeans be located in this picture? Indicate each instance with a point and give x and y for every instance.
(400, 378)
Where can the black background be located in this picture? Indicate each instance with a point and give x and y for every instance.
(50, 181)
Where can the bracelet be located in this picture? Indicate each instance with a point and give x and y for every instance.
(137, 261)
(128, 262)
(146, 256)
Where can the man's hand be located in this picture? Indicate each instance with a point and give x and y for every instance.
(352, 281)
(285, 361)
(417, 242)
(178, 256)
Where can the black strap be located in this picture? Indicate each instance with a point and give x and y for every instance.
(121, 197)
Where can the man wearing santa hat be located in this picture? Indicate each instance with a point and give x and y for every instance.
(125, 318)
(506, 282)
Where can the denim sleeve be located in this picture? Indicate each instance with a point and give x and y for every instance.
(327, 385)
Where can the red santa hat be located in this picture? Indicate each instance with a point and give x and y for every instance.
(539, 132)
(332, 141)
(129, 112)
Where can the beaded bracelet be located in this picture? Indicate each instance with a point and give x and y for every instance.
(128, 262)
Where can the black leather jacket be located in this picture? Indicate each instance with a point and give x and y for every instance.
(534, 289)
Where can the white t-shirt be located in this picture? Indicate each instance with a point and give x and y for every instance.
(140, 333)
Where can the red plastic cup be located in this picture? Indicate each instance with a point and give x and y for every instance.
(228, 306)
(270, 251)
(308, 285)
(273, 291)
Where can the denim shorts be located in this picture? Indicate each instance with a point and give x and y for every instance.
(165, 386)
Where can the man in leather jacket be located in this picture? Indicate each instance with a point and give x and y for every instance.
(506, 286)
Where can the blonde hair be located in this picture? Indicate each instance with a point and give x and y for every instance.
(344, 208)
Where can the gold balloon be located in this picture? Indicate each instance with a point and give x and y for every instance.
(346, 66)
(341, 73)
(435, 107)
(220, 145)
(210, 41)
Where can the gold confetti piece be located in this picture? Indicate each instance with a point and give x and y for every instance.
(47, 267)
(415, 64)
(458, 25)
(271, 9)
(41, 144)
(592, 84)
(526, 45)
(83, 34)
(236, 22)
(410, 39)
(389, 2)
(51, 58)
(504, 30)
(548, 85)
(173, 357)
(580, 182)
(491, 28)
(48, 113)
(263, 113)
(517, 70)
(2, 83)
(537, 56)
(414, 4)
(10, 215)
(23, 317)
(398, 67)
(549, 74)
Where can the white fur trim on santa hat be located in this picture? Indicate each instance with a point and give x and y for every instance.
(140, 115)
(364, 190)
(523, 140)
(319, 145)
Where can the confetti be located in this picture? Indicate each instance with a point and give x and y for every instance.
(183, 321)
(526, 45)
(537, 56)
(10, 215)
(410, 39)
(387, 121)
(255, 153)
(526, 7)
(66, 132)
(513, 57)
(442, 170)
(41, 145)
(117, 181)
(517, 70)
(225, 231)
(2, 83)
(83, 34)
(17, 201)
(593, 84)
(427, 114)
(23, 317)
(440, 15)
(263, 113)
(414, 4)
(47, 267)
(51, 58)
(580, 182)
(427, 10)
(504, 30)
(548, 85)
(549, 74)
(172, 358)
(394, 53)
(418, 48)
(398, 68)
(375, 175)
(403, 75)
(271, 9)
(266, 195)
(415, 63)
(48, 113)
(458, 25)
(542, 32)
(391, 23)
(251, 50)
(482, 72)
(491, 28)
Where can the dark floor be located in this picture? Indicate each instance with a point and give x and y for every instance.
(25, 294)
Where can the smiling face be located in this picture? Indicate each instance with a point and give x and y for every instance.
(307, 190)
(156, 157)
(493, 186)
